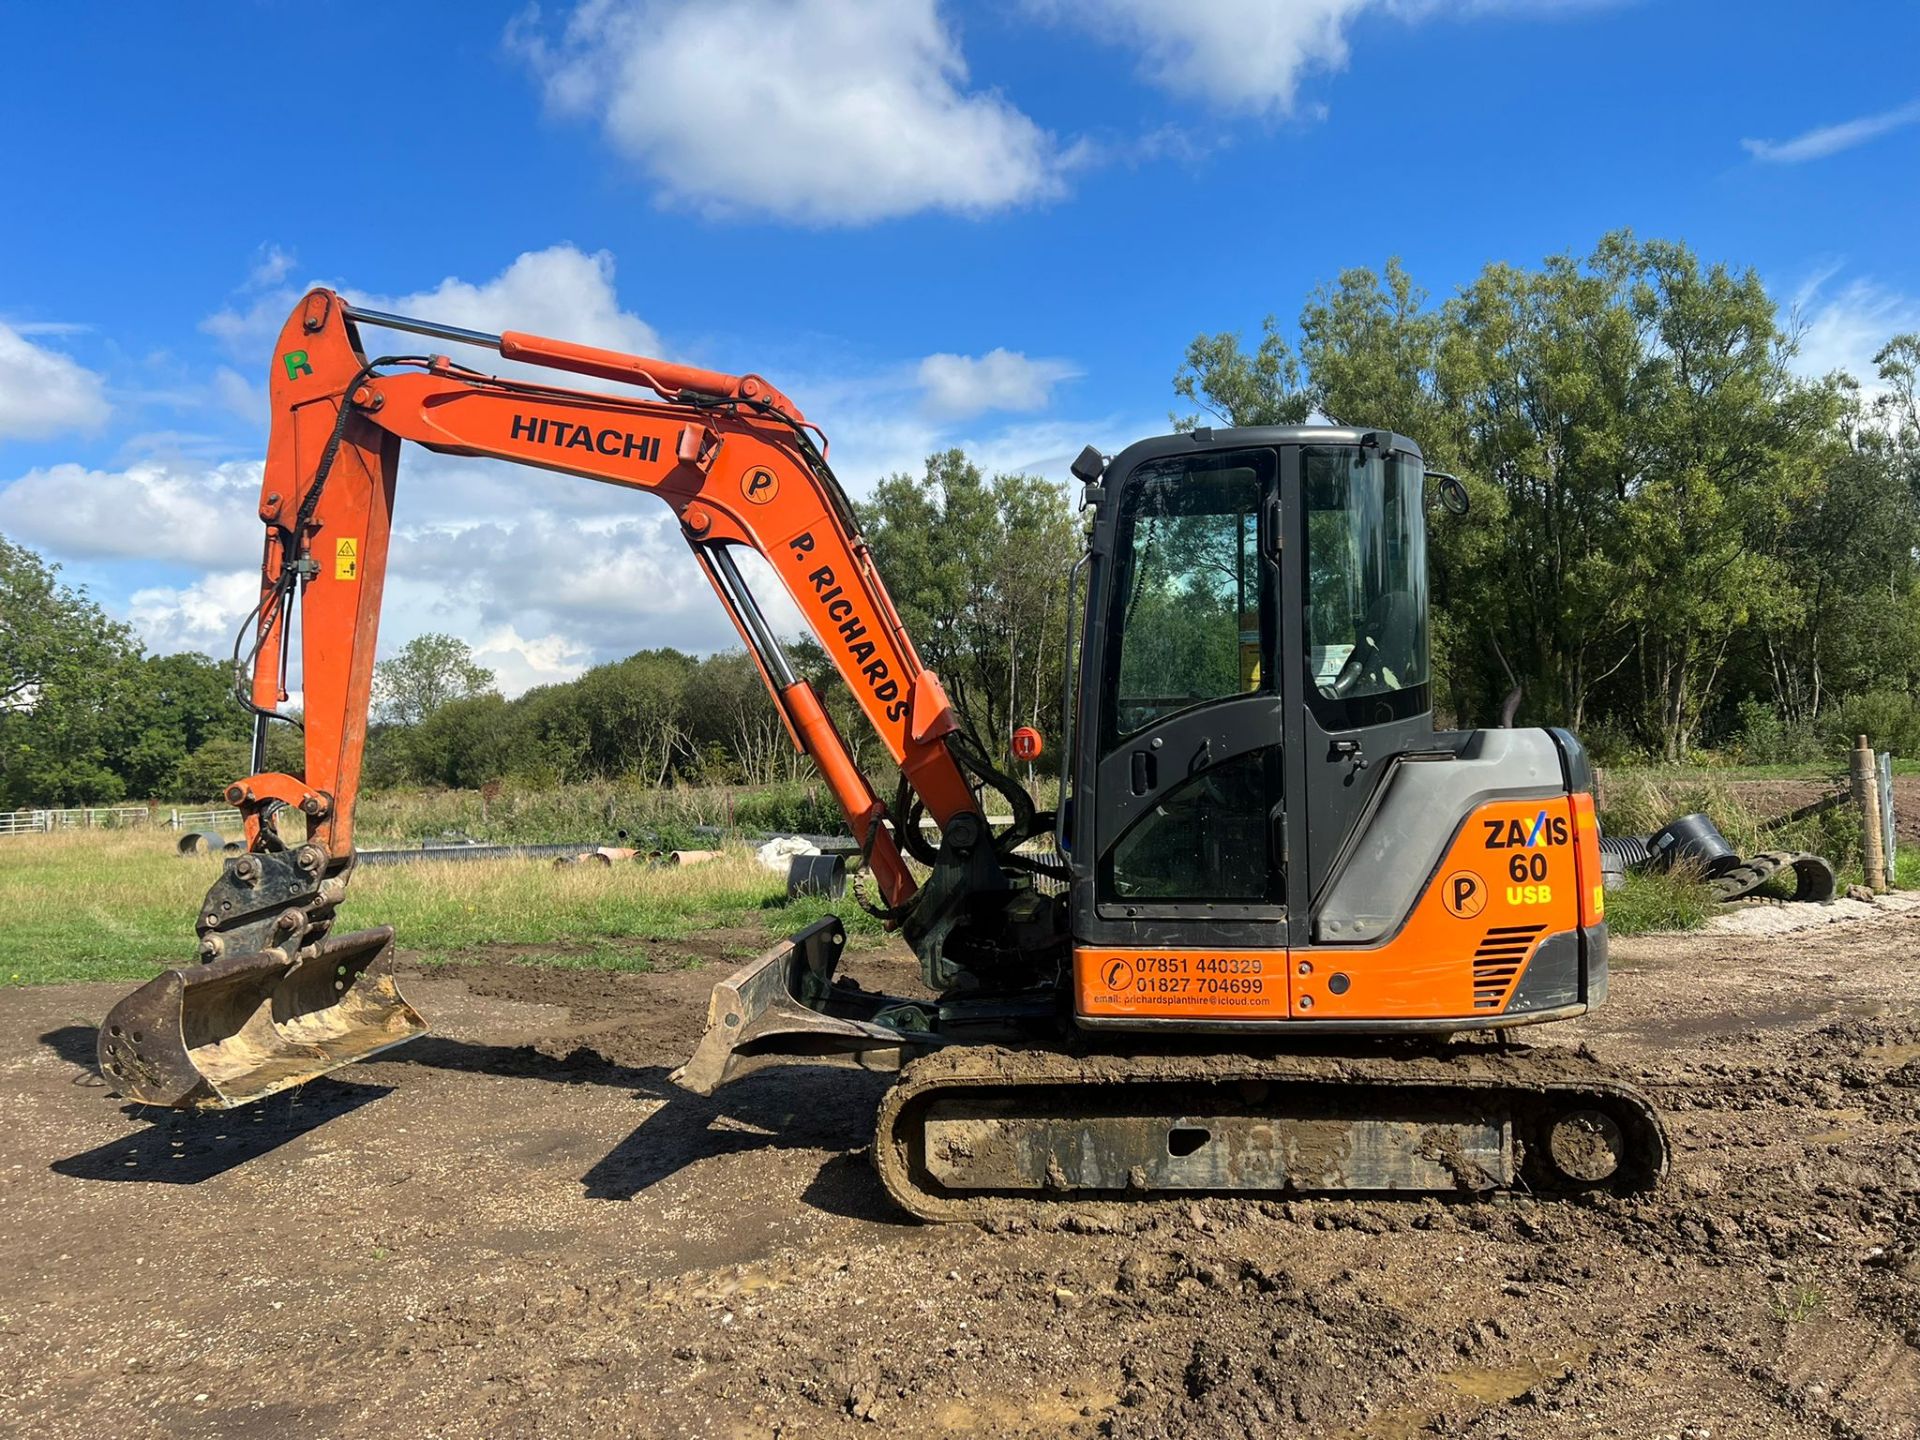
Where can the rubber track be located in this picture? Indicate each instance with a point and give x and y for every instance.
(1527, 1083)
(1813, 877)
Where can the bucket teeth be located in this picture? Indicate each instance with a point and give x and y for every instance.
(214, 1036)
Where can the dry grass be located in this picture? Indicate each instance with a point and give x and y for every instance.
(596, 812)
(119, 905)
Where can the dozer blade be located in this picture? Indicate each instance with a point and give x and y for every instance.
(785, 1005)
(210, 1037)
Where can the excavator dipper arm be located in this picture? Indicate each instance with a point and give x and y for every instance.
(276, 1001)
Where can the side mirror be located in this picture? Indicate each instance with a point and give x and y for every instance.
(1089, 465)
(1453, 495)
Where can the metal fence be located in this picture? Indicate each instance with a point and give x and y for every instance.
(1883, 774)
(116, 817)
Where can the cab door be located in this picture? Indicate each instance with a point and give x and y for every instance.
(1188, 826)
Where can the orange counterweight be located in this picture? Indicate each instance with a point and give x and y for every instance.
(1510, 878)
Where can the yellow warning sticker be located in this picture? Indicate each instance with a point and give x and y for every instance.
(346, 559)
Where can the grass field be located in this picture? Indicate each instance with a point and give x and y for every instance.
(117, 906)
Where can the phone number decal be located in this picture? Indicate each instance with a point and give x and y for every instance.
(1192, 979)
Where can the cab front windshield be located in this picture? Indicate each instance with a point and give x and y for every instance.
(1366, 608)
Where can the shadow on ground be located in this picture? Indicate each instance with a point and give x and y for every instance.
(788, 1107)
(791, 1107)
(182, 1147)
(72, 1043)
(798, 1107)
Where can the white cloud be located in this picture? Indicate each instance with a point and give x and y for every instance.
(519, 663)
(543, 574)
(877, 429)
(271, 268)
(1047, 448)
(192, 449)
(52, 327)
(560, 291)
(829, 112)
(203, 616)
(960, 386)
(206, 614)
(629, 578)
(234, 392)
(1843, 327)
(43, 392)
(164, 512)
(1825, 140)
(247, 332)
(1231, 54)
(247, 326)
(1250, 55)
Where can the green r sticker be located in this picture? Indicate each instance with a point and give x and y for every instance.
(296, 363)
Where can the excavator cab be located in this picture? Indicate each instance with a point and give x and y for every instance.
(1297, 815)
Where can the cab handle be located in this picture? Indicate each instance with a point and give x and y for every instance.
(1145, 772)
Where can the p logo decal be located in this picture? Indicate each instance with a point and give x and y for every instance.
(1464, 894)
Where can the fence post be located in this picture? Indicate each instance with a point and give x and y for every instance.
(1866, 794)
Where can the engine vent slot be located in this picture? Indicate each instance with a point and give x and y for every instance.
(1498, 962)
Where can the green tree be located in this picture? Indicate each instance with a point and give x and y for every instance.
(172, 706)
(732, 726)
(468, 742)
(62, 664)
(1852, 621)
(1237, 388)
(205, 774)
(1372, 349)
(556, 740)
(978, 569)
(1633, 438)
(634, 714)
(429, 671)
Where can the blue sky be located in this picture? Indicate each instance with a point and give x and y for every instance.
(930, 222)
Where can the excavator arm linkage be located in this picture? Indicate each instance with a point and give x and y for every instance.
(275, 1001)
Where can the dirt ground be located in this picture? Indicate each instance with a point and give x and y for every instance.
(517, 1227)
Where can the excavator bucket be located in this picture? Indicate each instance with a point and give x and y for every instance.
(213, 1036)
(785, 1005)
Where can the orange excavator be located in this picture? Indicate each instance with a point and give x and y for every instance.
(1261, 946)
